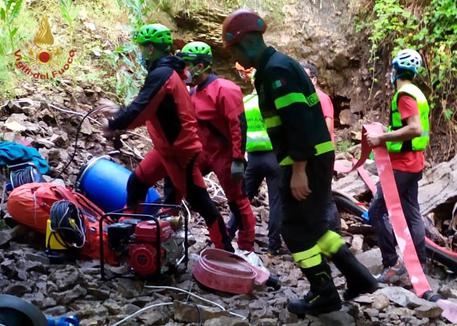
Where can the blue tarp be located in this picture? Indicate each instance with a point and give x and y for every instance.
(13, 153)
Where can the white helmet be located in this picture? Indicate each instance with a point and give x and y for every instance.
(407, 60)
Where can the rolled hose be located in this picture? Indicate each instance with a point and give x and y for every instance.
(434, 251)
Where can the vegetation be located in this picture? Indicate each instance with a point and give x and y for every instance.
(106, 57)
(8, 13)
(100, 33)
(9, 10)
(75, 26)
(427, 26)
(344, 145)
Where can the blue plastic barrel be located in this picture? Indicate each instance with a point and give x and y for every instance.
(104, 182)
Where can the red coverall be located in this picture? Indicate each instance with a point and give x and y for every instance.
(220, 114)
(163, 104)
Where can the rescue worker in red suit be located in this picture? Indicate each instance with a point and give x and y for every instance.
(164, 105)
(219, 107)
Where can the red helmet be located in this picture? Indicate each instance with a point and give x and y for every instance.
(240, 22)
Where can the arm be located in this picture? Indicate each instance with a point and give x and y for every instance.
(299, 181)
(410, 114)
(136, 113)
(298, 106)
(327, 110)
(412, 129)
(329, 123)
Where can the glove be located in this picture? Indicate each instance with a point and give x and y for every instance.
(237, 169)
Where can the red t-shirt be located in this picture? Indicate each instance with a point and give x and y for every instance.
(327, 108)
(407, 161)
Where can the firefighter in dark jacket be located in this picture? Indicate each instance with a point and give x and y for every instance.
(301, 141)
(218, 104)
(164, 105)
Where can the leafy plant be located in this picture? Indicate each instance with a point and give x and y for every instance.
(69, 11)
(9, 10)
(129, 73)
(138, 9)
(432, 30)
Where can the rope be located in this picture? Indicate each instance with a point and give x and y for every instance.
(214, 189)
(93, 120)
(22, 176)
(67, 222)
(160, 287)
(170, 303)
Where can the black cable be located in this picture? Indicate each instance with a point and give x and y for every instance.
(78, 130)
(67, 222)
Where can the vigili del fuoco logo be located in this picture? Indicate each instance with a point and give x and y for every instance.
(43, 59)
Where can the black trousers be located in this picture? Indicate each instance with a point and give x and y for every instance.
(332, 216)
(407, 185)
(304, 222)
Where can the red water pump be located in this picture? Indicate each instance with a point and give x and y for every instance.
(150, 245)
(143, 257)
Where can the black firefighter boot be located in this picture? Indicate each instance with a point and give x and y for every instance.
(358, 278)
(322, 297)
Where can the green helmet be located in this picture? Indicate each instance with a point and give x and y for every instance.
(154, 33)
(196, 51)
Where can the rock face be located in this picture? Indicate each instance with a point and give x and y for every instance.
(438, 187)
(314, 33)
(317, 31)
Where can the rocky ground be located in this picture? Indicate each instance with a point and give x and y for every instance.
(77, 288)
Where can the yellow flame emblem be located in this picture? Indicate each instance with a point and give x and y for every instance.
(43, 36)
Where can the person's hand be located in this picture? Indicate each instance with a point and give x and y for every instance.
(107, 131)
(237, 169)
(299, 184)
(107, 107)
(374, 139)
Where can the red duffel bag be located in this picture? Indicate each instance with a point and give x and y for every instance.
(30, 205)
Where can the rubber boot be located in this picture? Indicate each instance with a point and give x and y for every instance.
(358, 278)
(322, 297)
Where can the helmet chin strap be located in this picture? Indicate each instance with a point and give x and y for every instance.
(393, 77)
(148, 56)
(195, 74)
(396, 76)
